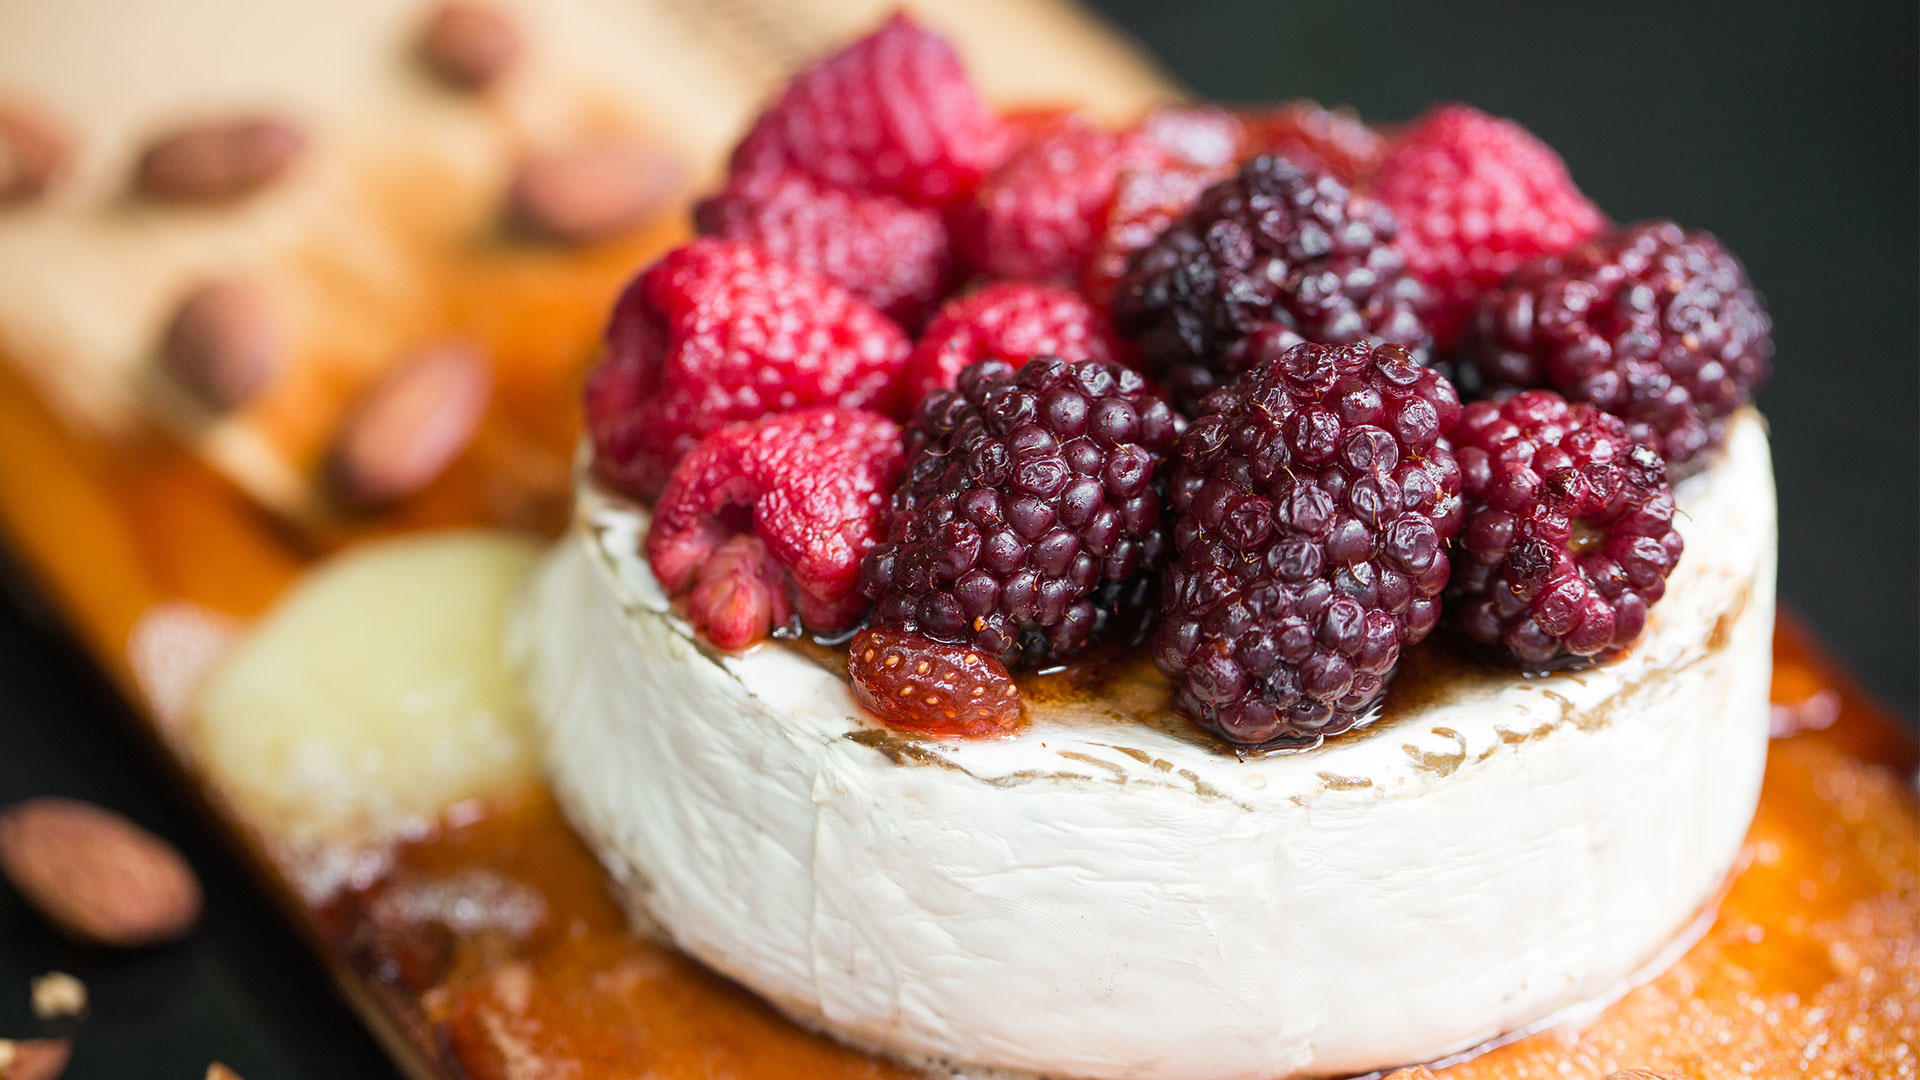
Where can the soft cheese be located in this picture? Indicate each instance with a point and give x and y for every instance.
(1112, 895)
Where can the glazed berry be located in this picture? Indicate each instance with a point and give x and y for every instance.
(1144, 203)
(718, 331)
(1271, 247)
(893, 254)
(1477, 196)
(1202, 144)
(1011, 321)
(893, 112)
(1037, 216)
(1568, 536)
(1312, 506)
(930, 687)
(1030, 509)
(767, 520)
(1315, 138)
(1655, 324)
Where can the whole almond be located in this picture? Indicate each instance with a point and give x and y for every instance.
(410, 425)
(469, 45)
(33, 153)
(218, 161)
(590, 191)
(56, 996)
(223, 342)
(96, 875)
(33, 1059)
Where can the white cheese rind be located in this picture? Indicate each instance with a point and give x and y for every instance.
(1105, 898)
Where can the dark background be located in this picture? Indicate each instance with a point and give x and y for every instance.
(1789, 130)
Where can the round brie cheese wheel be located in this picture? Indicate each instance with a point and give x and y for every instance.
(1111, 893)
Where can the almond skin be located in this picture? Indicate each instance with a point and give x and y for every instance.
(218, 161)
(589, 192)
(97, 876)
(33, 1059)
(410, 426)
(469, 45)
(223, 343)
(33, 154)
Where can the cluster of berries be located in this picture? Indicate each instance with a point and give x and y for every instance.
(981, 387)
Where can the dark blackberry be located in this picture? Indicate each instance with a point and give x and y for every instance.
(1569, 534)
(1270, 247)
(1029, 515)
(1312, 506)
(1655, 324)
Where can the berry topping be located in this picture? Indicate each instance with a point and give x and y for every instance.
(889, 252)
(931, 687)
(1036, 217)
(1144, 203)
(1273, 247)
(1568, 535)
(1477, 196)
(1029, 512)
(718, 331)
(1312, 505)
(893, 112)
(1201, 145)
(1010, 320)
(770, 517)
(1315, 138)
(1656, 325)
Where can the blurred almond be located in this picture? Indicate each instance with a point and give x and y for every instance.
(218, 161)
(33, 1059)
(57, 996)
(96, 875)
(410, 426)
(591, 191)
(217, 1071)
(33, 153)
(470, 45)
(223, 343)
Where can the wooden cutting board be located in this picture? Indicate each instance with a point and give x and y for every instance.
(124, 508)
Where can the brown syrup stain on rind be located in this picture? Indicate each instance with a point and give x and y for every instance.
(1343, 783)
(1443, 764)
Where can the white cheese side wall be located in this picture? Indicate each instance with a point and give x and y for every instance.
(1108, 898)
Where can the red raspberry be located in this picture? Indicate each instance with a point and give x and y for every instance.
(1314, 138)
(810, 485)
(1476, 197)
(931, 687)
(1203, 135)
(1036, 216)
(1009, 320)
(1569, 534)
(893, 112)
(717, 331)
(891, 253)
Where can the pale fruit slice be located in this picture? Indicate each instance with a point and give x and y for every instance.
(373, 695)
